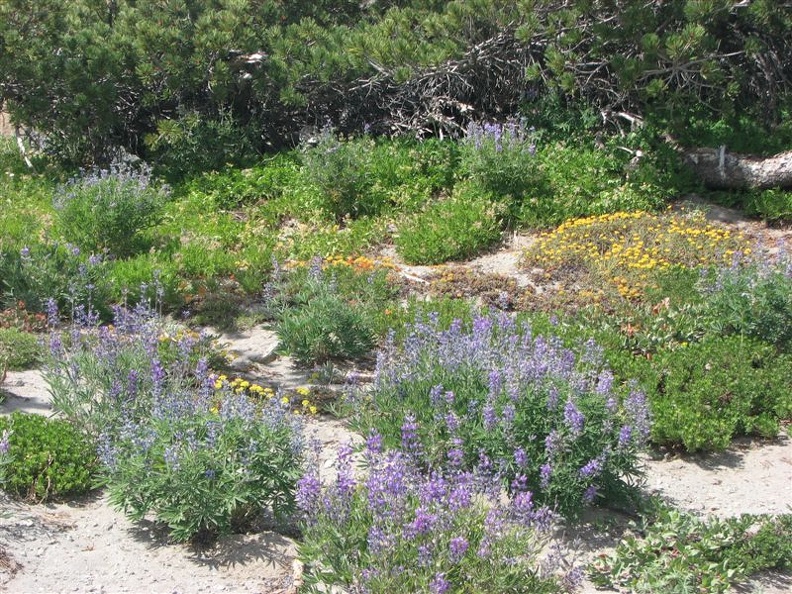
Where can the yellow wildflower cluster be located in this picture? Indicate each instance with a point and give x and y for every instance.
(623, 248)
(243, 386)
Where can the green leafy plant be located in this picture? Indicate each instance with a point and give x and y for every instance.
(401, 529)
(455, 227)
(105, 210)
(322, 323)
(47, 458)
(501, 161)
(21, 350)
(705, 393)
(753, 300)
(342, 171)
(174, 439)
(205, 466)
(774, 205)
(675, 553)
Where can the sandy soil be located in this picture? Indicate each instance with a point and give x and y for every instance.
(86, 546)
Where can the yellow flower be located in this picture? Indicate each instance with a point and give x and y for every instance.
(303, 391)
(306, 403)
(285, 400)
(313, 410)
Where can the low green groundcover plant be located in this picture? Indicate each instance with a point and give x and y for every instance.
(173, 439)
(705, 393)
(495, 396)
(46, 458)
(401, 529)
(677, 553)
(455, 227)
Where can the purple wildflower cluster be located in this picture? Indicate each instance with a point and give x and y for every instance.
(423, 530)
(547, 419)
(509, 136)
(168, 430)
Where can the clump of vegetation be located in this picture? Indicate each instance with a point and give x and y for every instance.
(490, 290)
(202, 454)
(105, 211)
(549, 421)
(46, 458)
(452, 228)
(704, 394)
(676, 552)
(332, 309)
(401, 528)
(623, 251)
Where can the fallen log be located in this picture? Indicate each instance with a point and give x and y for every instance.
(722, 170)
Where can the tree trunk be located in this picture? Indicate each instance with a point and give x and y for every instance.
(720, 170)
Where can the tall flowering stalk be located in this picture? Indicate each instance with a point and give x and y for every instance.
(401, 529)
(548, 420)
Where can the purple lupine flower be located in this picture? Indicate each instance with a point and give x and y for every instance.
(604, 382)
(508, 414)
(552, 397)
(373, 444)
(435, 393)
(461, 495)
(545, 472)
(553, 443)
(573, 418)
(410, 441)
(423, 523)
(589, 495)
(4, 442)
(591, 469)
(379, 541)
(489, 416)
(637, 409)
(625, 437)
(519, 484)
(309, 490)
(452, 422)
(520, 457)
(457, 547)
(425, 555)
(456, 456)
(439, 585)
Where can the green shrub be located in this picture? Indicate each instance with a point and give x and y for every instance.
(501, 160)
(105, 210)
(175, 439)
(205, 468)
(321, 322)
(753, 300)
(195, 142)
(774, 205)
(342, 172)
(704, 394)
(48, 458)
(676, 553)
(45, 271)
(453, 228)
(20, 350)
